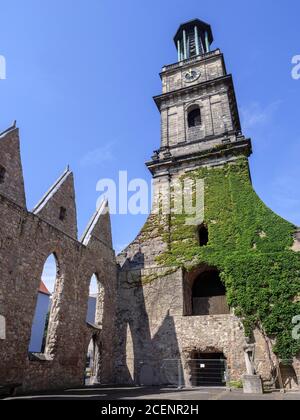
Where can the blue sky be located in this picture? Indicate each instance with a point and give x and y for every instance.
(81, 75)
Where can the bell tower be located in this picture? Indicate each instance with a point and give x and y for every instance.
(200, 123)
(192, 39)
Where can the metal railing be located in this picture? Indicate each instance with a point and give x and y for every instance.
(179, 373)
(195, 373)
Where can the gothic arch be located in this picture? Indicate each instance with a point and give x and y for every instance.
(43, 313)
(93, 360)
(96, 298)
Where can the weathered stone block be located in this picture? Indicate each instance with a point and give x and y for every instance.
(252, 384)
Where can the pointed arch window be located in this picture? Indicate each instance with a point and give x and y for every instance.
(62, 213)
(95, 310)
(209, 295)
(41, 323)
(2, 174)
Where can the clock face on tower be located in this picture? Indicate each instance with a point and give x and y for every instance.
(191, 76)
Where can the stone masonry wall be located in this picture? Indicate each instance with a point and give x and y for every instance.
(154, 336)
(26, 241)
(153, 330)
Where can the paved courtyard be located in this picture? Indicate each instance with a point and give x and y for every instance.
(132, 393)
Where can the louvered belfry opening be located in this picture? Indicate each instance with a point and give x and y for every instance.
(193, 38)
(194, 43)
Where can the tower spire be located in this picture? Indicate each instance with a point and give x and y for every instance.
(200, 122)
(193, 38)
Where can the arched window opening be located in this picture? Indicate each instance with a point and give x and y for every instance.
(194, 118)
(92, 368)
(40, 326)
(95, 302)
(130, 359)
(2, 174)
(203, 235)
(209, 295)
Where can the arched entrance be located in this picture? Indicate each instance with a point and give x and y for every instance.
(92, 368)
(204, 293)
(94, 319)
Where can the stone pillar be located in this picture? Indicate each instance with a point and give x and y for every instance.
(252, 384)
(249, 359)
(184, 45)
(197, 41)
(207, 42)
(179, 50)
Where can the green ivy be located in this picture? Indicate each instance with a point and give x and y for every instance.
(250, 245)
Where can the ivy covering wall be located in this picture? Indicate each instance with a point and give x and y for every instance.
(251, 247)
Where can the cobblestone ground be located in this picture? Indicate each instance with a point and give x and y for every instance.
(106, 393)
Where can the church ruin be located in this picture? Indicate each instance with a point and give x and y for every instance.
(27, 240)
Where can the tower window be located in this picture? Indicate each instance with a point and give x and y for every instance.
(194, 118)
(62, 213)
(2, 174)
(203, 235)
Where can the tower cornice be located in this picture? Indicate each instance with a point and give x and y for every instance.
(210, 157)
(194, 60)
(159, 99)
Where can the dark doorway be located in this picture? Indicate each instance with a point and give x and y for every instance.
(209, 295)
(208, 370)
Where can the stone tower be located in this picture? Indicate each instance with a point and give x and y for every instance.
(199, 115)
(181, 284)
